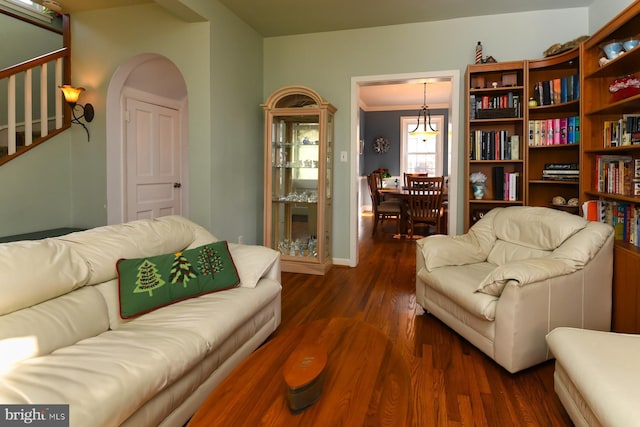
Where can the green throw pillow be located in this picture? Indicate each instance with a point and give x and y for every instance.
(146, 284)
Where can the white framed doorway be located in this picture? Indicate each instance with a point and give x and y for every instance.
(455, 146)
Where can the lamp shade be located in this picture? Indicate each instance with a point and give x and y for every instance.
(71, 94)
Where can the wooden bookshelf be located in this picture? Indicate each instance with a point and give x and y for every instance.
(499, 89)
(559, 113)
(595, 81)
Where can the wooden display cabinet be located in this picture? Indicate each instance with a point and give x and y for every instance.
(298, 168)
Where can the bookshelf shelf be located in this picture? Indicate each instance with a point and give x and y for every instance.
(623, 106)
(494, 135)
(620, 210)
(613, 150)
(570, 106)
(495, 202)
(552, 182)
(559, 76)
(555, 147)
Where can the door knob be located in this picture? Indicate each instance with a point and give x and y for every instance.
(177, 185)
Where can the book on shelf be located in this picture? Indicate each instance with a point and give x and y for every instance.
(497, 173)
(614, 174)
(556, 131)
(561, 172)
(557, 91)
(571, 166)
(491, 107)
(623, 131)
(494, 145)
(624, 217)
(511, 180)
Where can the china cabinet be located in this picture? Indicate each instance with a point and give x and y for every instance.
(299, 178)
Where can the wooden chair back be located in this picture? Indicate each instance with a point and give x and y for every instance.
(406, 175)
(373, 190)
(425, 201)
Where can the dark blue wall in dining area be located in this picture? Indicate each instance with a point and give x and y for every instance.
(387, 124)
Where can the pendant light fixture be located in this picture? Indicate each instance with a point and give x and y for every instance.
(427, 129)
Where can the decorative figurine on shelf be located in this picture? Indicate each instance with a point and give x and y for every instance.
(478, 180)
(479, 53)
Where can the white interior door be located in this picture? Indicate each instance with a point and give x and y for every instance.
(153, 163)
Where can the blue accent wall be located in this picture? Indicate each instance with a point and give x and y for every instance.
(387, 124)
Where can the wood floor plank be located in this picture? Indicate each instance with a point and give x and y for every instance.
(453, 383)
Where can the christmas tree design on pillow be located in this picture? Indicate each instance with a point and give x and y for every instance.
(146, 284)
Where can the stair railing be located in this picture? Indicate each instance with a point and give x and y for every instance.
(19, 79)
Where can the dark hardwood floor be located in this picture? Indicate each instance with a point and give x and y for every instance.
(454, 384)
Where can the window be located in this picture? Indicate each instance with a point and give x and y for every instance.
(418, 155)
(27, 7)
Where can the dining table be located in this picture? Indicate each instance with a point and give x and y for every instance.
(402, 193)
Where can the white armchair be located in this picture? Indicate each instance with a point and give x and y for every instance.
(517, 274)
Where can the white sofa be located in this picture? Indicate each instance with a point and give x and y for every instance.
(62, 340)
(517, 274)
(597, 376)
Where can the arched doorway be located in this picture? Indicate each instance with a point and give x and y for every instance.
(155, 80)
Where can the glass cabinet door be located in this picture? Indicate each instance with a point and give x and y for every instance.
(299, 179)
(295, 162)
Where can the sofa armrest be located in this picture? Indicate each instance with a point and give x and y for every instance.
(441, 250)
(522, 273)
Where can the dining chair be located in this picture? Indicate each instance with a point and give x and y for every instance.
(379, 185)
(382, 210)
(425, 202)
(412, 174)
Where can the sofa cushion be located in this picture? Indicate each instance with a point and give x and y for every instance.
(252, 262)
(106, 378)
(102, 247)
(458, 283)
(35, 271)
(59, 322)
(146, 284)
(536, 227)
(505, 252)
(214, 317)
(603, 366)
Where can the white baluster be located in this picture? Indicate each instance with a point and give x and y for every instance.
(44, 122)
(11, 116)
(28, 107)
(59, 104)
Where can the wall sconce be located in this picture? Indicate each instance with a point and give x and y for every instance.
(71, 95)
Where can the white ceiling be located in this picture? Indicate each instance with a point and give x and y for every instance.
(405, 95)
